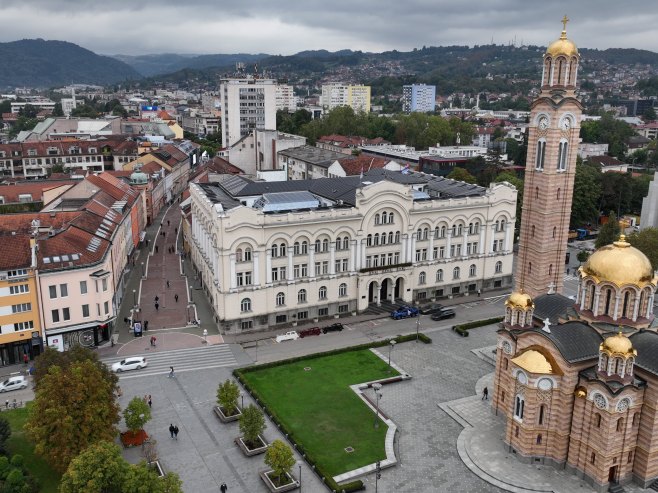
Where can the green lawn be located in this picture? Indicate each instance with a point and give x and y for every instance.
(18, 443)
(320, 409)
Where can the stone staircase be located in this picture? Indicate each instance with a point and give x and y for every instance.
(654, 485)
(617, 488)
(384, 309)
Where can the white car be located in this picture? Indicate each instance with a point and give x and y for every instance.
(13, 383)
(288, 336)
(134, 363)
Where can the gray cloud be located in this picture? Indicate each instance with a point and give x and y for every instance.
(289, 26)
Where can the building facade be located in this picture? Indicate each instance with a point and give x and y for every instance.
(418, 97)
(281, 253)
(247, 104)
(285, 98)
(356, 97)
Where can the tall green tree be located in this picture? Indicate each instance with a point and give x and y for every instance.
(607, 130)
(99, 469)
(461, 174)
(280, 458)
(136, 414)
(142, 479)
(252, 424)
(74, 407)
(227, 397)
(647, 242)
(586, 195)
(609, 232)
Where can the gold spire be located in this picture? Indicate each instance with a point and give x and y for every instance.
(565, 19)
(562, 46)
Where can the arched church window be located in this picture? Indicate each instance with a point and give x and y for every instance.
(563, 151)
(591, 296)
(529, 267)
(597, 420)
(636, 419)
(539, 439)
(519, 405)
(542, 409)
(620, 424)
(550, 269)
(627, 297)
(541, 154)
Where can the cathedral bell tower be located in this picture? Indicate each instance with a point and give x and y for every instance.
(553, 134)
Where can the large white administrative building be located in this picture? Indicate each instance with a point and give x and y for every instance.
(273, 253)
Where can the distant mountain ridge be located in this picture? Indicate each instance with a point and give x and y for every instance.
(40, 63)
(159, 64)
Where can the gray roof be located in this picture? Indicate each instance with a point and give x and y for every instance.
(646, 344)
(552, 306)
(576, 341)
(286, 201)
(313, 155)
(218, 195)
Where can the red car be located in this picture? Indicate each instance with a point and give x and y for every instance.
(311, 331)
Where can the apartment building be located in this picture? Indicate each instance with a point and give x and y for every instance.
(285, 98)
(357, 97)
(418, 97)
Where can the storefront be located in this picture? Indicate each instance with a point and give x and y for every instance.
(91, 335)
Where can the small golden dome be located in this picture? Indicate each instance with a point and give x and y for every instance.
(581, 392)
(519, 300)
(534, 362)
(562, 46)
(618, 344)
(620, 263)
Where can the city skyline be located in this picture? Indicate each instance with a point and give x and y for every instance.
(118, 28)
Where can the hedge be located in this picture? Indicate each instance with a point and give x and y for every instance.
(326, 478)
(462, 329)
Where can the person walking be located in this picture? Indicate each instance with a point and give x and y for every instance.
(176, 432)
(146, 399)
(150, 401)
(485, 394)
(479, 293)
(156, 248)
(223, 488)
(146, 325)
(171, 430)
(176, 298)
(167, 222)
(171, 372)
(167, 282)
(26, 359)
(157, 305)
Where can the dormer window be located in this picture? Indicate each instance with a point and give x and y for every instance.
(31, 152)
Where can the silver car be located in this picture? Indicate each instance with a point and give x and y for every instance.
(133, 363)
(13, 383)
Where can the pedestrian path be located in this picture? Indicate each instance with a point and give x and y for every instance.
(183, 360)
(570, 277)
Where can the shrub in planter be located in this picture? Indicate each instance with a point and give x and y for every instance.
(136, 415)
(252, 424)
(280, 459)
(227, 398)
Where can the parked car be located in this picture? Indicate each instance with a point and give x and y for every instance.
(311, 331)
(291, 335)
(430, 309)
(333, 328)
(13, 383)
(134, 363)
(444, 313)
(404, 311)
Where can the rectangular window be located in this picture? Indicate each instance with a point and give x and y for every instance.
(63, 290)
(281, 319)
(275, 274)
(368, 261)
(66, 314)
(337, 265)
(55, 316)
(247, 325)
(302, 315)
(323, 312)
(295, 271)
(343, 308)
(85, 311)
(435, 253)
(592, 458)
(421, 296)
(98, 309)
(19, 289)
(318, 268)
(239, 279)
(83, 287)
(418, 256)
(459, 250)
(247, 278)
(304, 270)
(452, 250)
(24, 326)
(17, 273)
(325, 267)
(53, 292)
(104, 284)
(106, 306)
(21, 307)
(344, 269)
(396, 258)
(282, 273)
(442, 252)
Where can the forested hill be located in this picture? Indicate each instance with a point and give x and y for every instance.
(40, 63)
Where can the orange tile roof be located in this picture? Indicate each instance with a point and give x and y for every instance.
(15, 252)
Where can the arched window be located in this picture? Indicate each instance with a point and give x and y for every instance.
(499, 267)
(280, 299)
(275, 250)
(476, 228)
(563, 150)
(536, 192)
(376, 239)
(397, 237)
(238, 255)
(519, 404)
(317, 246)
(282, 250)
(390, 236)
(377, 219)
(539, 439)
(426, 233)
(295, 248)
(443, 231)
(247, 254)
(437, 233)
(301, 296)
(472, 270)
(342, 290)
(542, 409)
(460, 229)
(529, 267)
(304, 248)
(245, 305)
(541, 153)
(636, 419)
(439, 275)
(369, 240)
(620, 424)
(421, 278)
(597, 420)
(470, 228)
(390, 218)
(325, 245)
(550, 269)
(322, 293)
(346, 243)
(455, 273)
(554, 231)
(419, 234)
(502, 225)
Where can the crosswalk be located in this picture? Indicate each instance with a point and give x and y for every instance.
(183, 360)
(570, 278)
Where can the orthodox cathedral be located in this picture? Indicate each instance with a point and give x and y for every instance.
(577, 381)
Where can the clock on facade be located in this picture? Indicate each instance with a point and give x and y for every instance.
(543, 123)
(566, 124)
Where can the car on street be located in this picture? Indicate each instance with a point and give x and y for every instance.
(444, 313)
(13, 383)
(291, 335)
(337, 327)
(133, 363)
(404, 311)
(430, 309)
(311, 331)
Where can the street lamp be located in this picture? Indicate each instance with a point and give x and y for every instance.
(242, 399)
(390, 348)
(191, 294)
(134, 297)
(299, 463)
(378, 395)
(205, 336)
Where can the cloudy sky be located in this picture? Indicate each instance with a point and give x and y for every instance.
(289, 26)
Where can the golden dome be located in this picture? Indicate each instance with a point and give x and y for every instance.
(620, 263)
(534, 362)
(519, 300)
(618, 344)
(562, 46)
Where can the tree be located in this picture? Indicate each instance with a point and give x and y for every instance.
(461, 174)
(586, 195)
(74, 407)
(64, 359)
(57, 110)
(16, 482)
(227, 397)
(140, 478)
(647, 242)
(582, 256)
(252, 424)
(98, 469)
(280, 458)
(649, 114)
(136, 414)
(5, 433)
(609, 232)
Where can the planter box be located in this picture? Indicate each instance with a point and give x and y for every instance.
(251, 452)
(227, 419)
(130, 439)
(155, 465)
(292, 485)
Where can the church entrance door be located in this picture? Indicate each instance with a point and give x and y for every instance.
(612, 475)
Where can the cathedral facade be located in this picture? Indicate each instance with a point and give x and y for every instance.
(576, 380)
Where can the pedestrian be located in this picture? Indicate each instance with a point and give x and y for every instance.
(167, 282)
(485, 394)
(151, 341)
(156, 248)
(171, 430)
(157, 305)
(155, 341)
(146, 325)
(171, 372)
(26, 359)
(176, 298)
(176, 230)
(119, 391)
(167, 222)
(147, 242)
(223, 488)
(146, 398)
(479, 293)
(176, 432)
(157, 298)
(150, 401)
(568, 270)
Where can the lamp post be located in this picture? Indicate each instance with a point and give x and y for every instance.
(191, 301)
(378, 395)
(390, 349)
(242, 399)
(299, 463)
(142, 269)
(205, 336)
(134, 297)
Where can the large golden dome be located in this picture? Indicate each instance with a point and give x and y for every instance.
(620, 263)
(562, 46)
(618, 344)
(534, 362)
(519, 300)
